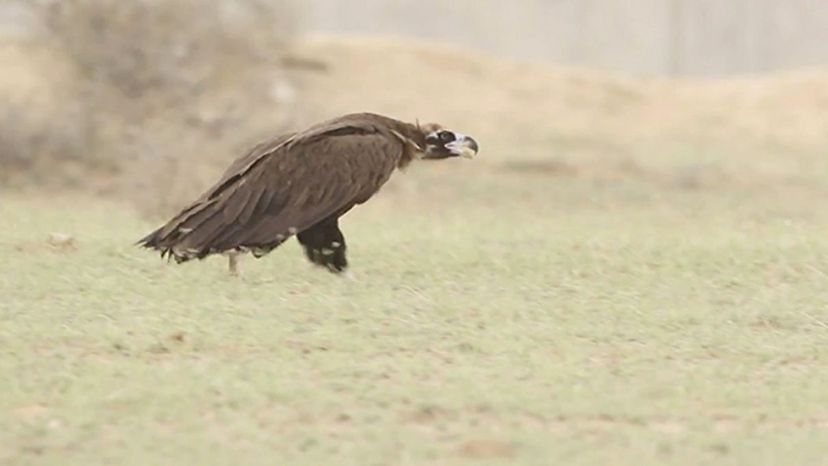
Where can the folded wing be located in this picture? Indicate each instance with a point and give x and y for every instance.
(283, 187)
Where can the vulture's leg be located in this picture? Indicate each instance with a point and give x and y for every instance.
(233, 263)
(324, 245)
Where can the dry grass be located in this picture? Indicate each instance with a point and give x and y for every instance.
(496, 318)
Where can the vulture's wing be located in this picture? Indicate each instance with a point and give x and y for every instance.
(283, 188)
(257, 151)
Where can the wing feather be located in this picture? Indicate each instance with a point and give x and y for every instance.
(283, 187)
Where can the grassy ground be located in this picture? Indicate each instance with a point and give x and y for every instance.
(495, 319)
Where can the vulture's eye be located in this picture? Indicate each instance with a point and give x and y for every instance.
(446, 136)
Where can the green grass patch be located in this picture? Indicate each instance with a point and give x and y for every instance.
(493, 320)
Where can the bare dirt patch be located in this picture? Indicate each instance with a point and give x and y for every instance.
(529, 118)
(486, 449)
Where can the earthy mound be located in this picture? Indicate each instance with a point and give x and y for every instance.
(528, 117)
(771, 125)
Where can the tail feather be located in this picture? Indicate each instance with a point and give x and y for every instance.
(198, 232)
(183, 238)
(224, 219)
(156, 241)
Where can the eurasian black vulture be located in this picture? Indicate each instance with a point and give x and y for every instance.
(300, 184)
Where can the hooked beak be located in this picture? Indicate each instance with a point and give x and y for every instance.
(464, 146)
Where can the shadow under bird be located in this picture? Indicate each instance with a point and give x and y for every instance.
(300, 184)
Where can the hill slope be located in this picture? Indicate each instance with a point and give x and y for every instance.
(773, 125)
(528, 117)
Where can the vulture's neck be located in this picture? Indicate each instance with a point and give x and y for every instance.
(414, 142)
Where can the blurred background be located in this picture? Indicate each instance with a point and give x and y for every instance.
(632, 271)
(148, 100)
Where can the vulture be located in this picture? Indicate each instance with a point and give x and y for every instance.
(301, 184)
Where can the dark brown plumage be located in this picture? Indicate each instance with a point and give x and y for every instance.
(300, 184)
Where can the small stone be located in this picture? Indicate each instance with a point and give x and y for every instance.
(62, 241)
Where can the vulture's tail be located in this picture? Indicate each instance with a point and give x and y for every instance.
(156, 240)
(186, 236)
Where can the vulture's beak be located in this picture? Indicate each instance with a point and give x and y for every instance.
(464, 146)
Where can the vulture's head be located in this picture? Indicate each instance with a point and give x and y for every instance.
(442, 143)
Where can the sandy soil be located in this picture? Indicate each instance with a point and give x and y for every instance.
(535, 117)
(543, 118)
